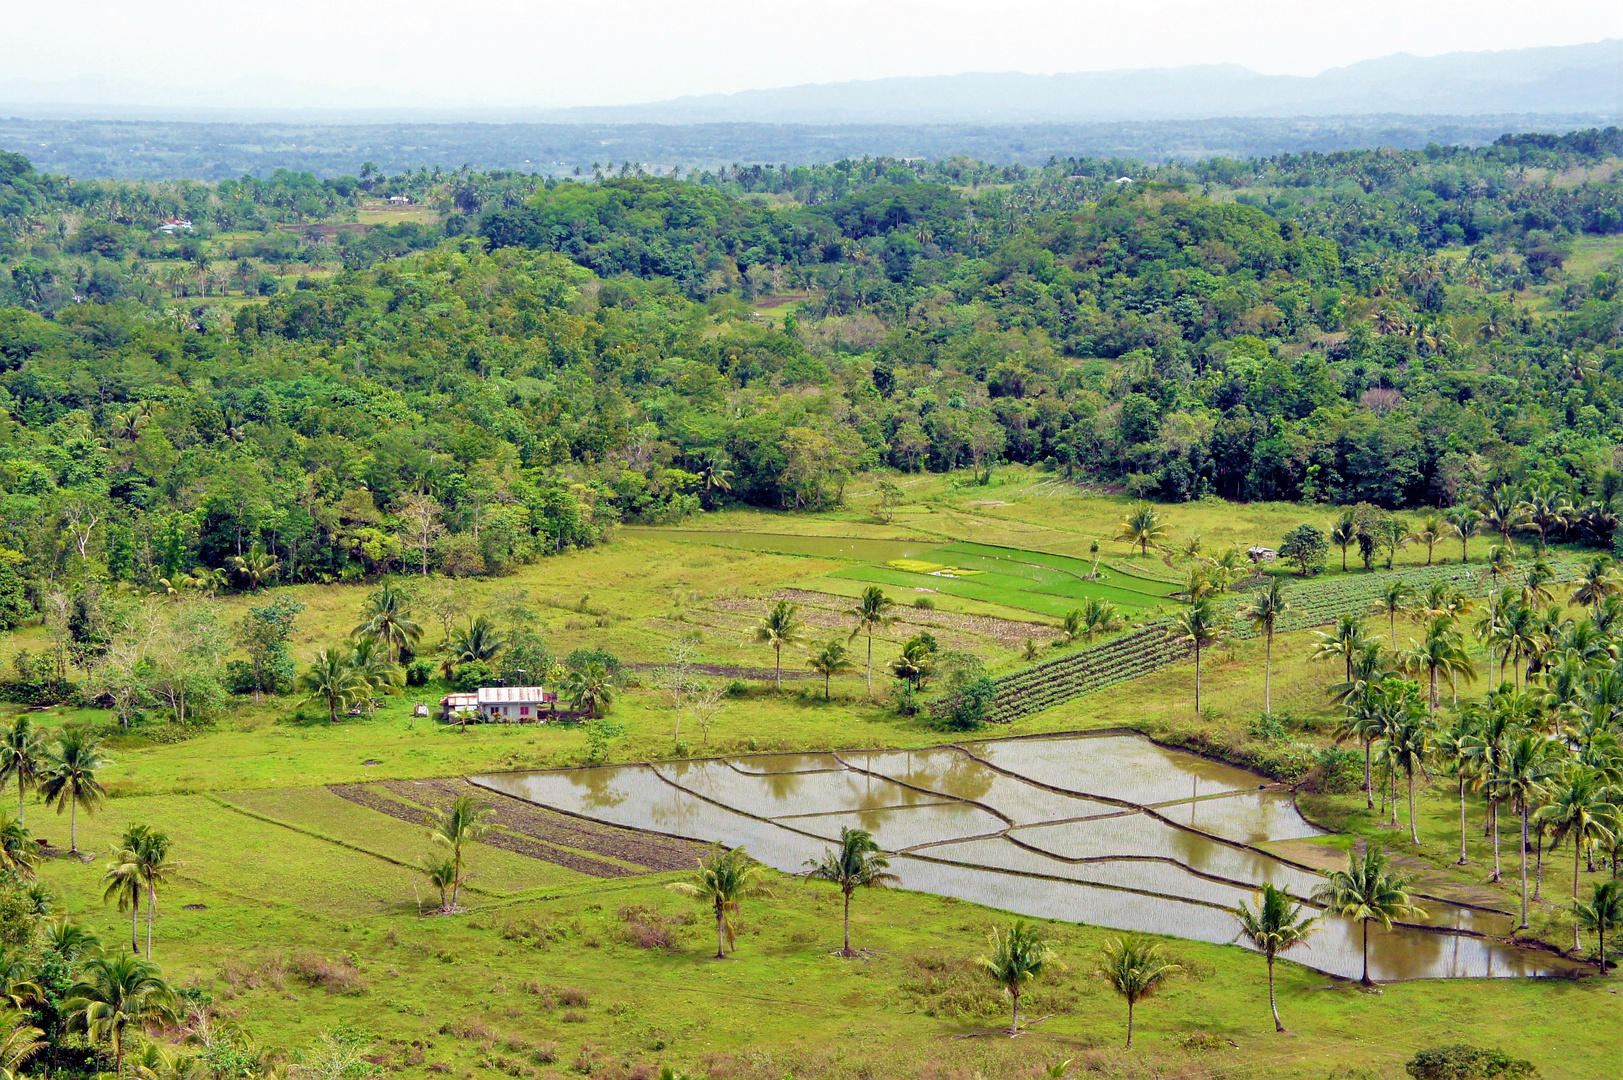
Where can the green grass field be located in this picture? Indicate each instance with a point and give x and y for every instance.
(279, 873)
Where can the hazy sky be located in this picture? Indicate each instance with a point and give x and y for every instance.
(547, 52)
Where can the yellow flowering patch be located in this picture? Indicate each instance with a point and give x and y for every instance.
(934, 569)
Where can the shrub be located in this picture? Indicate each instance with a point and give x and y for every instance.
(471, 676)
(924, 603)
(966, 706)
(333, 976)
(419, 673)
(1462, 1062)
(580, 659)
(1267, 728)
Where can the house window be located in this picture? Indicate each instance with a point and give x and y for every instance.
(524, 710)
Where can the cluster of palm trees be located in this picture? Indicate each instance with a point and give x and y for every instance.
(140, 863)
(61, 766)
(1505, 511)
(452, 828)
(1543, 743)
(368, 668)
(781, 627)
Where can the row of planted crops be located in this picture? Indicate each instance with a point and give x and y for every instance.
(1150, 647)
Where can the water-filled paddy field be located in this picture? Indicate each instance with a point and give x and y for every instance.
(1107, 829)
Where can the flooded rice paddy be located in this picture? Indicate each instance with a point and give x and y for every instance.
(1111, 830)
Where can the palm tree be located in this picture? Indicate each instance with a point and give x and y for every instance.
(1344, 533)
(1344, 641)
(1597, 582)
(1581, 810)
(331, 680)
(1501, 511)
(1429, 532)
(1099, 617)
(19, 853)
(122, 881)
(1394, 601)
(857, 865)
(1442, 653)
(1267, 605)
(442, 875)
(1017, 958)
(154, 866)
(724, 879)
(476, 644)
(780, 627)
(1134, 969)
(1603, 912)
(1276, 924)
(22, 753)
(1518, 633)
(1142, 526)
(454, 826)
(1405, 742)
(257, 567)
(1530, 763)
(914, 664)
(20, 1042)
(114, 993)
(376, 674)
(1463, 522)
(70, 780)
(1198, 624)
(1367, 891)
(872, 611)
(1451, 747)
(386, 616)
(830, 660)
(589, 688)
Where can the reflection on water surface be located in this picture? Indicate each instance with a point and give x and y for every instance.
(1111, 830)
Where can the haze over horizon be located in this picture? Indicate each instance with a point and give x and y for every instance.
(502, 54)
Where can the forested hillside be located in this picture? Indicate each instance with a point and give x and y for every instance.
(298, 372)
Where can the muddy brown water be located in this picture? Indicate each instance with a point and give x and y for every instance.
(1111, 830)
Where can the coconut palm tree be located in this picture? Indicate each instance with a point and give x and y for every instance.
(1603, 912)
(1451, 748)
(1368, 891)
(1344, 533)
(724, 880)
(781, 626)
(478, 643)
(1430, 532)
(1394, 601)
(1501, 560)
(22, 754)
(1406, 742)
(1580, 809)
(1343, 642)
(154, 866)
(454, 827)
(871, 613)
(442, 875)
(1463, 522)
(831, 659)
(1518, 633)
(1499, 718)
(114, 993)
(20, 1042)
(71, 765)
(386, 616)
(1201, 626)
(1267, 605)
(1501, 511)
(1142, 526)
(914, 665)
(1443, 653)
(1273, 926)
(589, 689)
(257, 567)
(122, 880)
(376, 673)
(1530, 763)
(19, 854)
(1099, 617)
(1016, 958)
(1134, 969)
(857, 865)
(332, 681)
(1597, 582)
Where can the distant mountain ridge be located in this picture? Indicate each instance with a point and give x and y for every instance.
(1584, 79)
